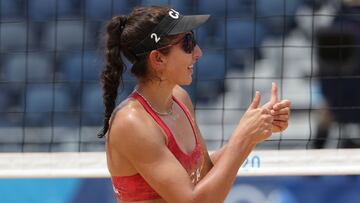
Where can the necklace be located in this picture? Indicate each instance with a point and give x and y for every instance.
(157, 112)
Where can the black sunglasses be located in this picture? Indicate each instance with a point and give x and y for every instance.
(188, 43)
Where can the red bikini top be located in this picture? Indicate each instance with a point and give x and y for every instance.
(134, 187)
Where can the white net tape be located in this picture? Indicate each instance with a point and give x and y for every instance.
(259, 163)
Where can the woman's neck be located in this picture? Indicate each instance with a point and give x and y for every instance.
(158, 95)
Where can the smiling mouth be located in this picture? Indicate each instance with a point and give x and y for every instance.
(190, 67)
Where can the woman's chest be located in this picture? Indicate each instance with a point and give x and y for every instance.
(182, 130)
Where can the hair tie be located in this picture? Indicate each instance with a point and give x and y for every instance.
(120, 23)
(123, 20)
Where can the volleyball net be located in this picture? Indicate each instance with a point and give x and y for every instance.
(50, 97)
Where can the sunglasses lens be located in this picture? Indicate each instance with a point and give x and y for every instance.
(189, 43)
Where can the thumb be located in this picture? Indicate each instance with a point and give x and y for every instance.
(256, 101)
(273, 97)
(274, 93)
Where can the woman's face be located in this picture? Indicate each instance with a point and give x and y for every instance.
(178, 66)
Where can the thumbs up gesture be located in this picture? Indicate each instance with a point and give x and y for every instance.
(258, 123)
(280, 110)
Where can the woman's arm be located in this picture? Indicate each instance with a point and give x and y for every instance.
(216, 155)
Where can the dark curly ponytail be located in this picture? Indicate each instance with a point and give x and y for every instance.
(122, 34)
(114, 67)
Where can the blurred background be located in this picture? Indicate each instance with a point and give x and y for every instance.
(50, 97)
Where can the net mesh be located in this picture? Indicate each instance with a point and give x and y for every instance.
(51, 56)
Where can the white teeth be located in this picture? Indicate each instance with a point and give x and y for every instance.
(191, 66)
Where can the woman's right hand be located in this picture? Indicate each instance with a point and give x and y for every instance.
(256, 124)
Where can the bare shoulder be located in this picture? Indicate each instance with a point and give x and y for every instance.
(131, 126)
(182, 95)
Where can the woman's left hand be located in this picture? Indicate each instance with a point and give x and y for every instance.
(280, 110)
(281, 115)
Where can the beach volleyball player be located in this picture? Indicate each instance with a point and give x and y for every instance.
(155, 151)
